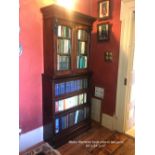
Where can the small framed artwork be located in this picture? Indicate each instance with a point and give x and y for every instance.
(103, 32)
(104, 9)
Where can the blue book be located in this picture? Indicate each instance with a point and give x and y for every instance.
(68, 87)
(56, 89)
(78, 84)
(57, 125)
(62, 88)
(76, 117)
(63, 122)
(72, 86)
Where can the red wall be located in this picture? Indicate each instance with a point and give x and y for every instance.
(105, 73)
(31, 60)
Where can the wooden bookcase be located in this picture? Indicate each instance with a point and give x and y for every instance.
(66, 77)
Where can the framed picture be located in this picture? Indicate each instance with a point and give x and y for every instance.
(103, 9)
(103, 32)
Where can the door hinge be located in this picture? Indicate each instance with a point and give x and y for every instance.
(125, 81)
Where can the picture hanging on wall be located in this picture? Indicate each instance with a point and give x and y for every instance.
(104, 9)
(103, 31)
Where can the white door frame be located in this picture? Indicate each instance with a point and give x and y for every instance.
(127, 8)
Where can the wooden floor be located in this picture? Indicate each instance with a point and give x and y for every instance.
(91, 143)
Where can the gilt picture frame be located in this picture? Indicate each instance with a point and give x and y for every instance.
(103, 31)
(104, 9)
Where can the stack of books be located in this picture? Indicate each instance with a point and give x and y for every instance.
(63, 62)
(70, 86)
(70, 102)
(63, 46)
(71, 119)
(64, 31)
(82, 35)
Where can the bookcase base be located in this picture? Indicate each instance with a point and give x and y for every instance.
(58, 140)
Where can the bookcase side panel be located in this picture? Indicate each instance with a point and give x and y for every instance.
(48, 41)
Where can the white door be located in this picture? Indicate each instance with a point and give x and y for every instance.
(124, 106)
(130, 97)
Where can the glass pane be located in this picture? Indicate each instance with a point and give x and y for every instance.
(82, 35)
(63, 62)
(81, 62)
(64, 31)
(63, 46)
(82, 47)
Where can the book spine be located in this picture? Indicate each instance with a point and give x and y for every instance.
(76, 117)
(85, 59)
(58, 62)
(57, 125)
(56, 106)
(56, 89)
(59, 30)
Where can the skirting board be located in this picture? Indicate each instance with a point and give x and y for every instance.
(30, 138)
(108, 121)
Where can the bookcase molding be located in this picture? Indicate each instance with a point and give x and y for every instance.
(66, 77)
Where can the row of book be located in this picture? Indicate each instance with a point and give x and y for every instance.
(63, 62)
(71, 119)
(70, 86)
(64, 46)
(82, 47)
(70, 102)
(64, 31)
(82, 35)
(82, 62)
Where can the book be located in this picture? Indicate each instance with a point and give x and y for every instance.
(56, 89)
(85, 62)
(80, 99)
(81, 47)
(58, 62)
(76, 117)
(59, 30)
(81, 84)
(86, 112)
(62, 88)
(80, 62)
(64, 122)
(71, 118)
(77, 84)
(64, 62)
(81, 115)
(68, 87)
(82, 35)
(85, 83)
(78, 59)
(85, 98)
(61, 105)
(56, 106)
(72, 86)
(57, 127)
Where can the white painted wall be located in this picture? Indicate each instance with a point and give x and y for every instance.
(30, 138)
